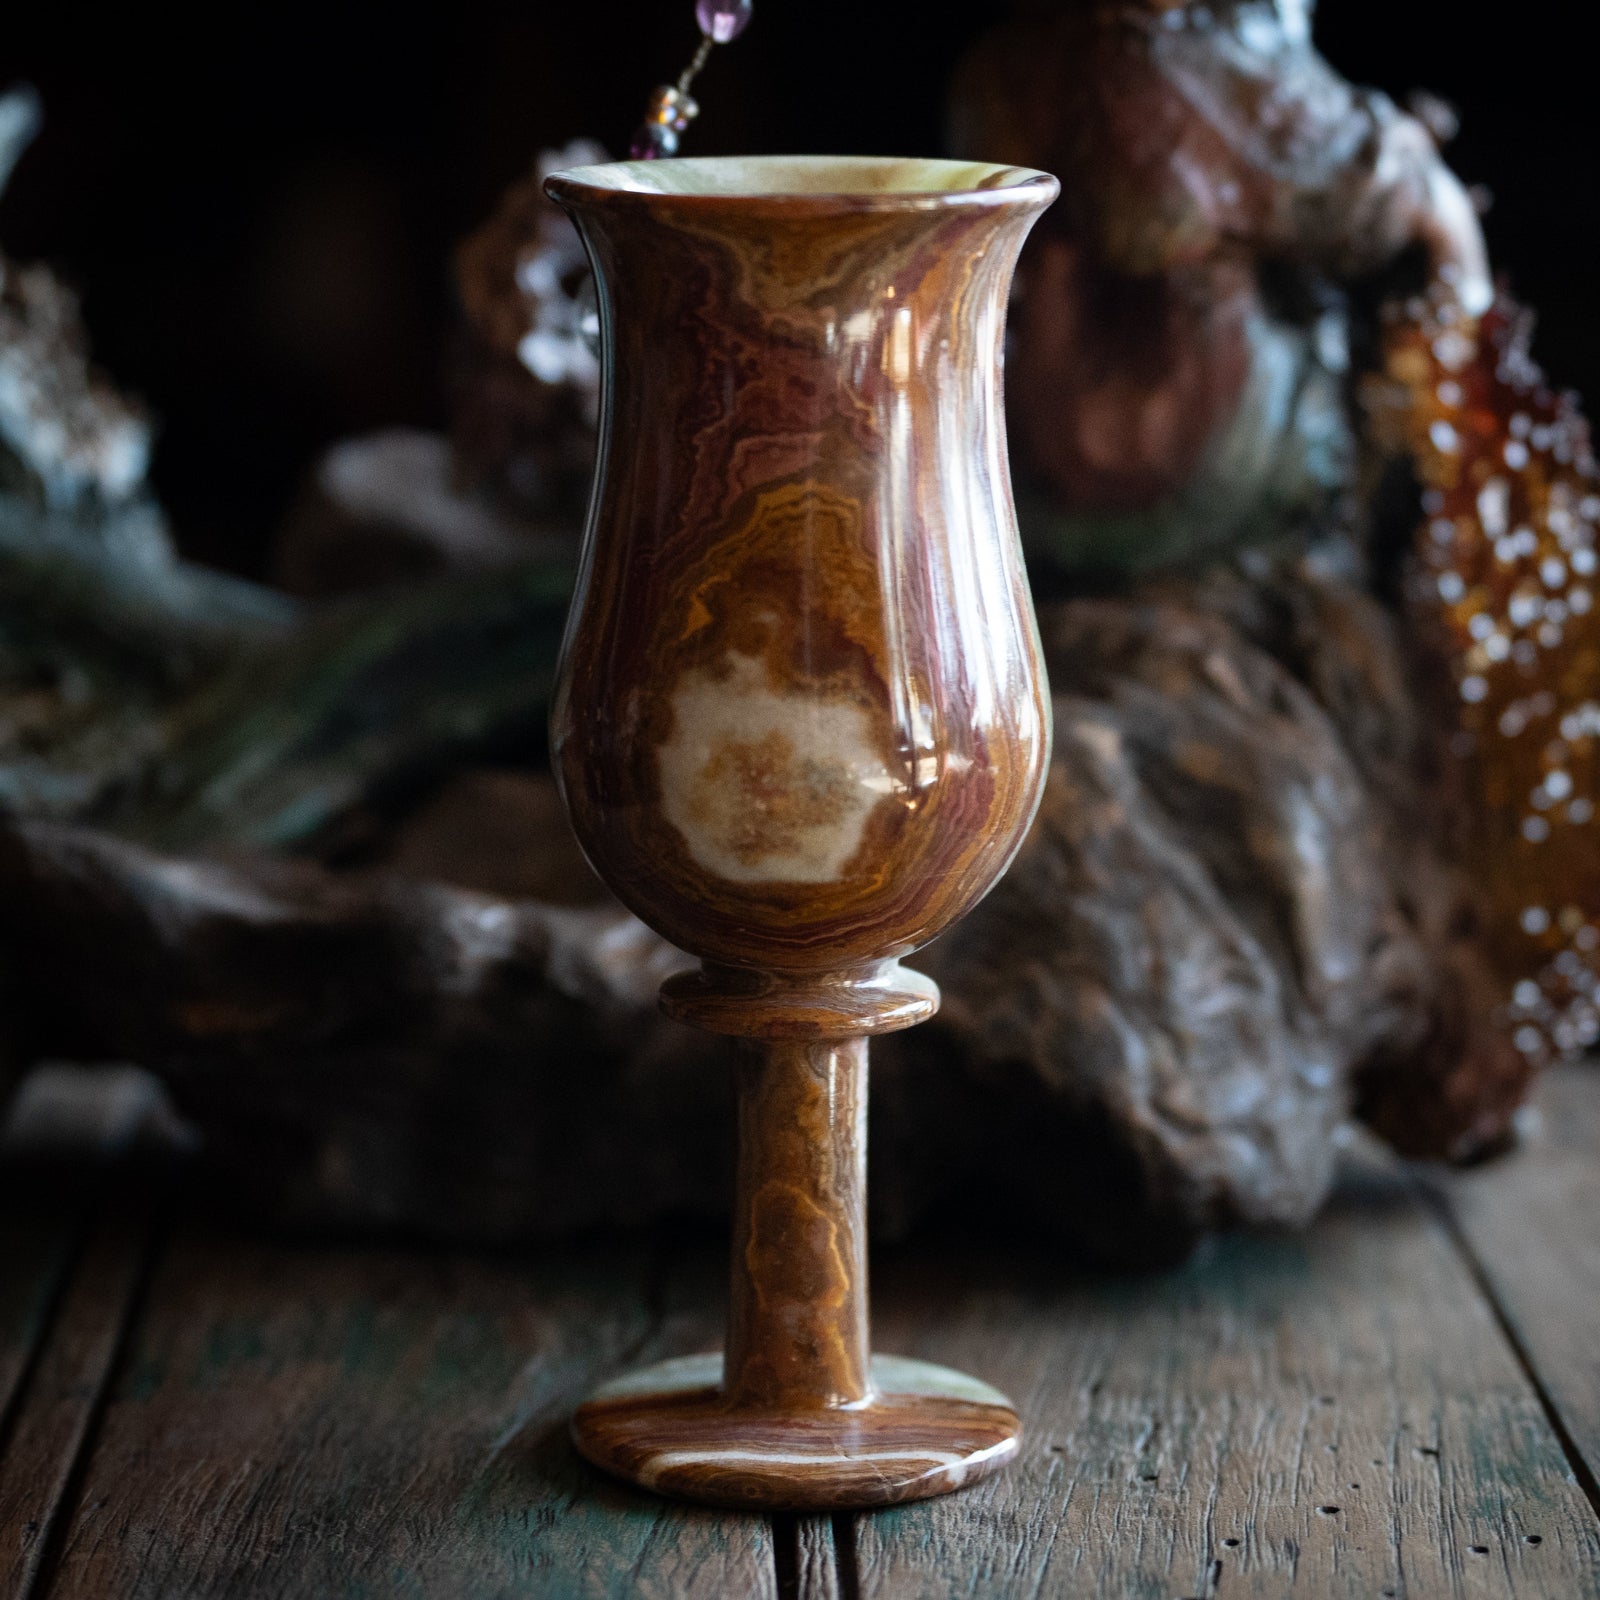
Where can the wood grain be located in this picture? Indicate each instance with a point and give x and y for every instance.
(808, 1567)
(1532, 1227)
(1329, 1415)
(36, 1246)
(76, 1231)
(56, 1414)
(296, 1422)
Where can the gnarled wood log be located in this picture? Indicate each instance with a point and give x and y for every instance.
(1228, 932)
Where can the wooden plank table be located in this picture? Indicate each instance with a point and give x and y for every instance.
(1405, 1401)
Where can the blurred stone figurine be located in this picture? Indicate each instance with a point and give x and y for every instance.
(1312, 548)
(1181, 343)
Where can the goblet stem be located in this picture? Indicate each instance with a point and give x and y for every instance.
(797, 1414)
(797, 1314)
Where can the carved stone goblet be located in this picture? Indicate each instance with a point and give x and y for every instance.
(801, 726)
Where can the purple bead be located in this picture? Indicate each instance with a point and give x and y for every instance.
(653, 143)
(722, 20)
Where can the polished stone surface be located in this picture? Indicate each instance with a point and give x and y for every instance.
(923, 1430)
(801, 726)
(801, 723)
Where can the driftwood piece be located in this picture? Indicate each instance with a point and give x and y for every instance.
(379, 1053)
(370, 696)
(101, 625)
(1226, 933)
(168, 702)
(387, 508)
(1234, 925)
(1223, 936)
(300, 722)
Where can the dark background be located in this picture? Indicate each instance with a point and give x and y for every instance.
(258, 202)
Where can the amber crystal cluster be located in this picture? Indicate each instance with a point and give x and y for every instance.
(1504, 586)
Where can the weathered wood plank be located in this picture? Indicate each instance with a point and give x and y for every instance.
(1331, 1415)
(330, 1422)
(37, 1238)
(56, 1412)
(807, 1565)
(51, 1176)
(73, 1245)
(1532, 1225)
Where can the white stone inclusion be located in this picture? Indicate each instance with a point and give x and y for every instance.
(768, 786)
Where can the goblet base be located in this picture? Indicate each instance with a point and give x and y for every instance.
(924, 1431)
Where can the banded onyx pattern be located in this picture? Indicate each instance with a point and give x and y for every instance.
(926, 1431)
(801, 723)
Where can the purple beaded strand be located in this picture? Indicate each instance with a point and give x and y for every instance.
(671, 108)
(722, 21)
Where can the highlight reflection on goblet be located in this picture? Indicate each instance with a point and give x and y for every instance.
(801, 726)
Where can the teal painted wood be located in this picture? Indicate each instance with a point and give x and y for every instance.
(331, 1422)
(1532, 1224)
(1330, 1415)
(294, 1421)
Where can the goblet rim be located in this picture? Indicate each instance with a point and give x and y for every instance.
(803, 184)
